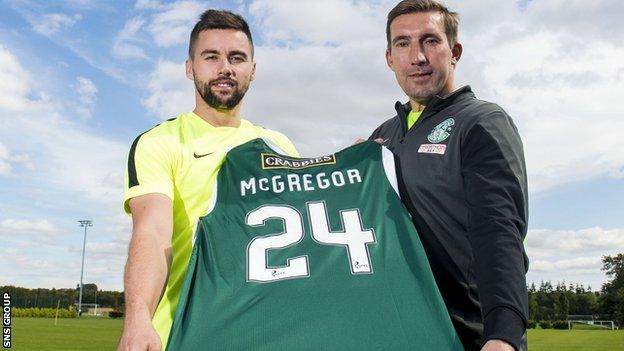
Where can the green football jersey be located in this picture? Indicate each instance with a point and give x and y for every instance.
(309, 254)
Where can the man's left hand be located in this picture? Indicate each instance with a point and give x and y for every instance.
(497, 345)
(379, 141)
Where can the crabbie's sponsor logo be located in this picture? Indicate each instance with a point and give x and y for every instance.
(275, 161)
(439, 149)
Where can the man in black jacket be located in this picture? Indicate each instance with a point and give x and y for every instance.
(463, 178)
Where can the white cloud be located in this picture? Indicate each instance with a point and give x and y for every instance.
(11, 226)
(102, 63)
(127, 41)
(34, 269)
(300, 87)
(571, 255)
(15, 82)
(319, 96)
(598, 20)
(7, 159)
(82, 161)
(545, 92)
(44, 260)
(322, 80)
(26, 233)
(119, 229)
(170, 91)
(148, 4)
(591, 241)
(5, 166)
(55, 27)
(107, 250)
(76, 167)
(331, 72)
(542, 266)
(559, 95)
(86, 94)
(485, 17)
(173, 25)
(28, 264)
(569, 267)
(72, 156)
(52, 23)
(318, 22)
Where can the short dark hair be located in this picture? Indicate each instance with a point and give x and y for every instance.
(451, 19)
(219, 19)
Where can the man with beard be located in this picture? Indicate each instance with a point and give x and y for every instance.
(463, 179)
(171, 173)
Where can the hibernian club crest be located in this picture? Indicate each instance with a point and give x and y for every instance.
(441, 131)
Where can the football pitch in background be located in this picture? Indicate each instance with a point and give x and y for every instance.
(101, 333)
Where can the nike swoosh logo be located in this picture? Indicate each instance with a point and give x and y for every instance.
(202, 155)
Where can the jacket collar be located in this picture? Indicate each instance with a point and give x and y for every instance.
(436, 104)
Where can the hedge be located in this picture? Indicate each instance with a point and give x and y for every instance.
(42, 312)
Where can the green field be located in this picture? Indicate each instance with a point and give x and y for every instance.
(576, 340)
(84, 334)
(91, 334)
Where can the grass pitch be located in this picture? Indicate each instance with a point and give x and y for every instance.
(99, 333)
(576, 340)
(70, 334)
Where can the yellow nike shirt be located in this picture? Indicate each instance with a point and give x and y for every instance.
(180, 158)
(412, 117)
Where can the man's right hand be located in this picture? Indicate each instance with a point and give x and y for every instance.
(139, 335)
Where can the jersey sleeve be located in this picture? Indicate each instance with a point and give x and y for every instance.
(150, 167)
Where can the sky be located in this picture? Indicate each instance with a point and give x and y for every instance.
(80, 79)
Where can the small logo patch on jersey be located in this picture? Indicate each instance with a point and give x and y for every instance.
(270, 161)
(277, 273)
(432, 149)
(441, 131)
(360, 265)
(196, 155)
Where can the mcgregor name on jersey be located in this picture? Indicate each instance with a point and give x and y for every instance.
(300, 182)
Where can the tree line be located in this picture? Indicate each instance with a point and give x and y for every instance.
(66, 298)
(551, 303)
(547, 302)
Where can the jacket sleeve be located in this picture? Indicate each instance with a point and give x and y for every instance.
(494, 177)
(376, 133)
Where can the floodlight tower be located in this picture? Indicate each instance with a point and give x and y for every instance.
(83, 223)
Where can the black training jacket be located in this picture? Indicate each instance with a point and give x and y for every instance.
(462, 177)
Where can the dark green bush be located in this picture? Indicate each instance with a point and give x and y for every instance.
(545, 325)
(531, 324)
(560, 325)
(115, 314)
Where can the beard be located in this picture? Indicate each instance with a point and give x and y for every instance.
(220, 102)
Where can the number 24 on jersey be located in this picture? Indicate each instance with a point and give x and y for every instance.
(353, 238)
